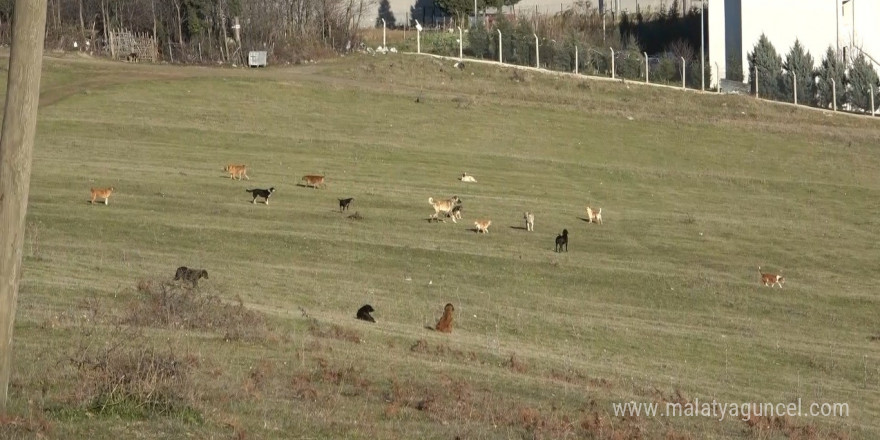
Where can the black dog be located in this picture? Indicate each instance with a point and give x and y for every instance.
(364, 313)
(264, 193)
(562, 241)
(191, 275)
(343, 203)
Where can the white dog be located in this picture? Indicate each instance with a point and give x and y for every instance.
(530, 221)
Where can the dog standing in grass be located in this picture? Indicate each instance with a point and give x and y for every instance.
(343, 203)
(102, 193)
(562, 241)
(594, 216)
(192, 275)
(264, 193)
(530, 221)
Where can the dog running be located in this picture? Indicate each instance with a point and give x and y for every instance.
(264, 193)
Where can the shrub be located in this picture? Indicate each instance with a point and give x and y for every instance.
(130, 379)
(165, 304)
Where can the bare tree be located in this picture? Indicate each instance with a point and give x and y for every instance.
(16, 152)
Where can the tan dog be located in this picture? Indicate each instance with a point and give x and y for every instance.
(483, 225)
(771, 279)
(445, 323)
(103, 193)
(530, 221)
(237, 171)
(444, 207)
(594, 216)
(314, 181)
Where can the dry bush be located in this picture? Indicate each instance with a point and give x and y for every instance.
(168, 305)
(129, 378)
(13, 427)
(333, 331)
(767, 426)
(516, 364)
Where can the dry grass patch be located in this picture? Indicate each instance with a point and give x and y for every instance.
(168, 305)
(131, 379)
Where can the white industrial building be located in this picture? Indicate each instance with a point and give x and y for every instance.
(735, 26)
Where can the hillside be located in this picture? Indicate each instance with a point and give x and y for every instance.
(661, 303)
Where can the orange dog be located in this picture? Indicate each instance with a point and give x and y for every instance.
(103, 193)
(237, 171)
(483, 225)
(445, 323)
(313, 180)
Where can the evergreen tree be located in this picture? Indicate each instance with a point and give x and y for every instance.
(831, 68)
(769, 65)
(385, 12)
(861, 77)
(799, 64)
(478, 41)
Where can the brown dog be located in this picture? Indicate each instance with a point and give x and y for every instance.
(771, 279)
(445, 323)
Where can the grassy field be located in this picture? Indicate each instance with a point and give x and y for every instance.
(661, 303)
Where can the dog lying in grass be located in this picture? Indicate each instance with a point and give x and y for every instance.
(103, 193)
(467, 178)
(264, 193)
(562, 241)
(363, 313)
(192, 275)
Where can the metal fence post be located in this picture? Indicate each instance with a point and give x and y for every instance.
(833, 94)
(717, 78)
(683, 70)
(646, 67)
(794, 78)
(575, 60)
(418, 37)
(537, 52)
(460, 45)
(756, 82)
(612, 62)
(873, 112)
(500, 59)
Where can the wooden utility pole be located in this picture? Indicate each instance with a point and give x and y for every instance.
(16, 151)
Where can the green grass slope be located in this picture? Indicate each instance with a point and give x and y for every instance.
(661, 303)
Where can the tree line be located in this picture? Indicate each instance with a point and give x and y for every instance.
(580, 38)
(851, 80)
(193, 30)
